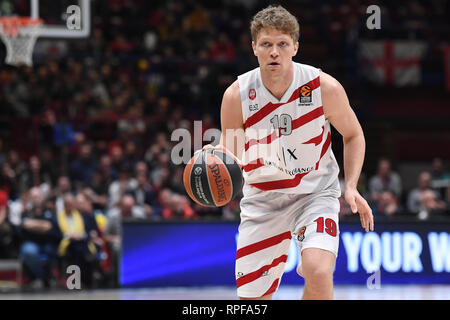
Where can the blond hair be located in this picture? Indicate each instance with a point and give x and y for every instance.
(275, 17)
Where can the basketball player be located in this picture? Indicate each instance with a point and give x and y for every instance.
(276, 119)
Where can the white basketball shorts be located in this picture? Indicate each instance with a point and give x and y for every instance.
(268, 222)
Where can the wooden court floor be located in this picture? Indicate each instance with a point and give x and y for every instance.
(385, 292)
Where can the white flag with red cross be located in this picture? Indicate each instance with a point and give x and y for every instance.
(392, 62)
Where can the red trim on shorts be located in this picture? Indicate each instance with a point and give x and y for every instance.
(263, 244)
(296, 123)
(252, 276)
(272, 288)
(268, 108)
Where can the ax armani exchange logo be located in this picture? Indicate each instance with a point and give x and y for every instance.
(292, 172)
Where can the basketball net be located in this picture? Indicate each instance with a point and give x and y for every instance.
(19, 35)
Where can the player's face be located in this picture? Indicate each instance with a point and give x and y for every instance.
(274, 50)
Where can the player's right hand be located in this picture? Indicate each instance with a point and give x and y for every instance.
(208, 146)
(218, 147)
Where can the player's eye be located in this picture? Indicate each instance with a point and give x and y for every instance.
(283, 44)
(265, 44)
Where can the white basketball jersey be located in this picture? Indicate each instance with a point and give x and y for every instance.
(288, 141)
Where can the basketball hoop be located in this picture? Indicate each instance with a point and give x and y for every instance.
(19, 35)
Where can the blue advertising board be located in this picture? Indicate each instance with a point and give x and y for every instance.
(203, 253)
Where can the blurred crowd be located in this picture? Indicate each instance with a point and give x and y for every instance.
(386, 195)
(85, 134)
(63, 214)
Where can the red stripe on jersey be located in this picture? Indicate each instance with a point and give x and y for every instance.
(291, 183)
(272, 288)
(314, 83)
(280, 184)
(254, 165)
(316, 140)
(268, 108)
(252, 276)
(297, 123)
(263, 244)
(310, 116)
(325, 147)
(267, 140)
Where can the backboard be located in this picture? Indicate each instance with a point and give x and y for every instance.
(61, 18)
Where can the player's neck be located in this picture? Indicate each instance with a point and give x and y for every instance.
(277, 83)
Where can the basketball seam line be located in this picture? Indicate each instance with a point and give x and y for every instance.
(190, 187)
(229, 174)
(207, 177)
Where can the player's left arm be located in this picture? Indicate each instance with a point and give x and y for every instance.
(339, 113)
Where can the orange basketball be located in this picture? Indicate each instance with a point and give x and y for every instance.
(213, 177)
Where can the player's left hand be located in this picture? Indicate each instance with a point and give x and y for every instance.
(359, 204)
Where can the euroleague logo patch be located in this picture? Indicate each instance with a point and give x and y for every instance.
(301, 234)
(305, 94)
(252, 94)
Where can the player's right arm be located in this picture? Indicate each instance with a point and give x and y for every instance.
(232, 123)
